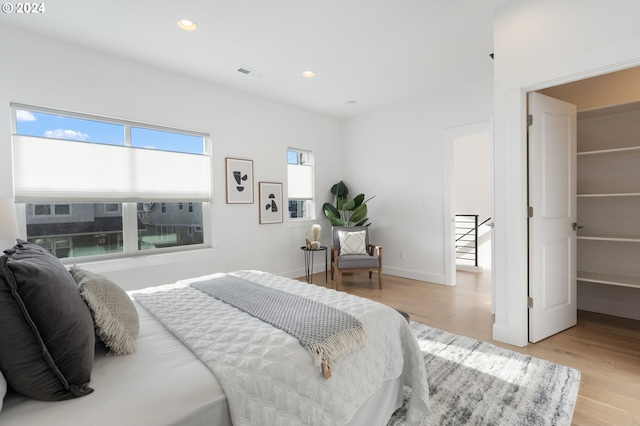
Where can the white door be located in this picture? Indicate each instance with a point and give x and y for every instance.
(552, 202)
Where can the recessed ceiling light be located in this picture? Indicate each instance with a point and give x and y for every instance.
(186, 24)
(308, 74)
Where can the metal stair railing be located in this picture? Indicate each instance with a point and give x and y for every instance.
(466, 232)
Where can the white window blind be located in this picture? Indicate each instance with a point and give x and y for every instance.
(300, 182)
(61, 170)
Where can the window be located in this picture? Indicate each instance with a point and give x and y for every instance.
(111, 208)
(89, 229)
(173, 227)
(52, 209)
(62, 209)
(115, 194)
(300, 184)
(42, 209)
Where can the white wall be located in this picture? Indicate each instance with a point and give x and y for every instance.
(472, 175)
(396, 153)
(538, 44)
(44, 72)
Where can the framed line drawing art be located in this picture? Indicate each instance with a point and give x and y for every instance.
(271, 206)
(239, 175)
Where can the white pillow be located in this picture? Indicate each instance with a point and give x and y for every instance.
(3, 389)
(352, 242)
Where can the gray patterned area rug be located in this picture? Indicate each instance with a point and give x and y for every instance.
(477, 383)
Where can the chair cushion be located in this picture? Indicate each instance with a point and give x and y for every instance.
(352, 242)
(358, 261)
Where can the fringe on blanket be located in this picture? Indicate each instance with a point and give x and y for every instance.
(336, 348)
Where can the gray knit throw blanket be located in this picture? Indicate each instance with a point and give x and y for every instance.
(329, 334)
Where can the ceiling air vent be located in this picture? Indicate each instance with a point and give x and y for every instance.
(252, 73)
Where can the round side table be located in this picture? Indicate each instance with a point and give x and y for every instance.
(308, 262)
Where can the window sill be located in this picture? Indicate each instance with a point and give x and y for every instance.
(133, 262)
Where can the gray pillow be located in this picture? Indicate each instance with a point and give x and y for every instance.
(3, 389)
(47, 341)
(114, 315)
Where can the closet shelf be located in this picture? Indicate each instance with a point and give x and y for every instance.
(606, 237)
(612, 194)
(609, 279)
(609, 151)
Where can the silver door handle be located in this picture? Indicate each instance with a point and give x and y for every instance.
(575, 226)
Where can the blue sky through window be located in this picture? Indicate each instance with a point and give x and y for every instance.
(32, 123)
(166, 141)
(69, 128)
(292, 157)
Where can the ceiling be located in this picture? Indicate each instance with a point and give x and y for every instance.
(366, 53)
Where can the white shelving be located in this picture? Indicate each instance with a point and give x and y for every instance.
(603, 237)
(609, 197)
(610, 151)
(613, 194)
(610, 279)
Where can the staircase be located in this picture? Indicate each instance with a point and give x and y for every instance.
(466, 244)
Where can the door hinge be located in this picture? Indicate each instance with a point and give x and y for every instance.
(529, 120)
(530, 211)
(530, 302)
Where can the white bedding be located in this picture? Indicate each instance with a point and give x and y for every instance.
(164, 383)
(268, 377)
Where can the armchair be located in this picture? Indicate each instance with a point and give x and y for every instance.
(351, 252)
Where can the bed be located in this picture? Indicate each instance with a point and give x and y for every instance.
(263, 376)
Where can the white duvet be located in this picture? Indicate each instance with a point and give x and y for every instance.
(268, 377)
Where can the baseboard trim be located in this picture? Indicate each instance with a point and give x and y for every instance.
(414, 275)
(469, 268)
(397, 272)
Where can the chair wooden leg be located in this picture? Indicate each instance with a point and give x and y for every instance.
(380, 279)
(370, 274)
(337, 279)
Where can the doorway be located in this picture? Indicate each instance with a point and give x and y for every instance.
(472, 190)
(468, 179)
(594, 98)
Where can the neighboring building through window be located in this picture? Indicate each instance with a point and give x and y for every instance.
(52, 209)
(300, 176)
(90, 209)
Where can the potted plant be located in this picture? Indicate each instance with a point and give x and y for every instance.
(346, 212)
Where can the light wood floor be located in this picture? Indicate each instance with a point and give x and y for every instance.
(605, 349)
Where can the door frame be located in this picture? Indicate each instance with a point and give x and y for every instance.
(449, 136)
(510, 276)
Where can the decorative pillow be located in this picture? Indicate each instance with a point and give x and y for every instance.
(114, 315)
(3, 389)
(47, 340)
(352, 242)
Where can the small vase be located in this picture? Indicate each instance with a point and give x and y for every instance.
(316, 230)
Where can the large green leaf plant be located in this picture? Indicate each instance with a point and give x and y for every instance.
(346, 212)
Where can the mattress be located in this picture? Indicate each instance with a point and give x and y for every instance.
(162, 383)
